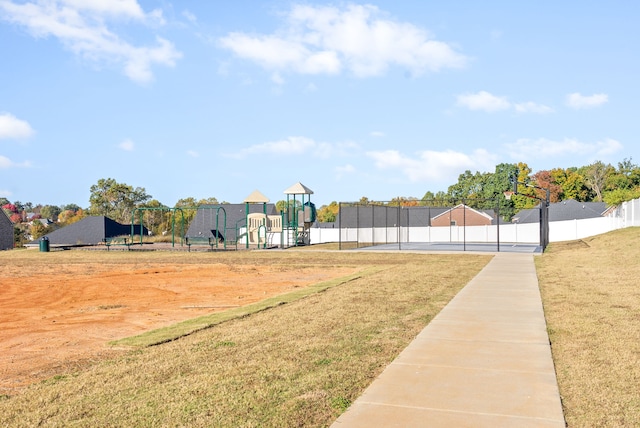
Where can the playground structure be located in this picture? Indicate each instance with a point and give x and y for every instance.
(290, 228)
(253, 224)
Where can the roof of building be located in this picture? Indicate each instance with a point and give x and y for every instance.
(391, 216)
(90, 231)
(226, 216)
(569, 209)
(461, 206)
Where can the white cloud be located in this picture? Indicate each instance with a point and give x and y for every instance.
(80, 26)
(277, 79)
(341, 171)
(377, 134)
(431, 165)
(546, 148)
(191, 17)
(127, 145)
(13, 128)
(357, 38)
(345, 169)
(297, 146)
(531, 107)
(6, 163)
(484, 101)
(5, 193)
(127, 8)
(579, 101)
(193, 153)
(289, 146)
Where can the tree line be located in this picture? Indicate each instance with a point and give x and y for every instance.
(119, 201)
(596, 182)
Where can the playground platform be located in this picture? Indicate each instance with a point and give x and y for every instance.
(483, 361)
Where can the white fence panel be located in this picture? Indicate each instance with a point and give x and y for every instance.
(578, 229)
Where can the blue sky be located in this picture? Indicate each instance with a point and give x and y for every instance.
(381, 99)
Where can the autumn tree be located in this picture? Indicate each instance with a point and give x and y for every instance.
(545, 180)
(70, 216)
(328, 213)
(405, 201)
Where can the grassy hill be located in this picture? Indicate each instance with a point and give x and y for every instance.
(591, 296)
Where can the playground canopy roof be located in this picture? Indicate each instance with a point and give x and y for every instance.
(256, 197)
(298, 189)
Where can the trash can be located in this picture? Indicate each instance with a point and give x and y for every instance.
(44, 244)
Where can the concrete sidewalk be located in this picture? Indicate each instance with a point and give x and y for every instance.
(484, 361)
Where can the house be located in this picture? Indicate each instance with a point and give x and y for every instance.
(6, 231)
(462, 215)
(222, 221)
(91, 231)
(569, 209)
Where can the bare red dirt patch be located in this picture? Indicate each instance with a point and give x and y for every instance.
(55, 320)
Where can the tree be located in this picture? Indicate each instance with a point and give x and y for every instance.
(572, 184)
(157, 217)
(72, 207)
(189, 207)
(468, 186)
(405, 201)
(545, 180)
(595, 177)
(617, 196)
(208, 201)
(69, 216)
(51, 212)
(116, 200)
(38, 229)
(526, 197)
(328, 213)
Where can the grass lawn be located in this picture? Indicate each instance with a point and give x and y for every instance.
(591, 296)
(301, 363)
(295, 364)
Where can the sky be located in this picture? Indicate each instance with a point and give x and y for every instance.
(375, 99)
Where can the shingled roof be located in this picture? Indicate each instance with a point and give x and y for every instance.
(6, 231)
(204, 223)
(390, 216)
(90, 231)
(569, 209)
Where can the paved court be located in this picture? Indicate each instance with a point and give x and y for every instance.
(484, 361)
